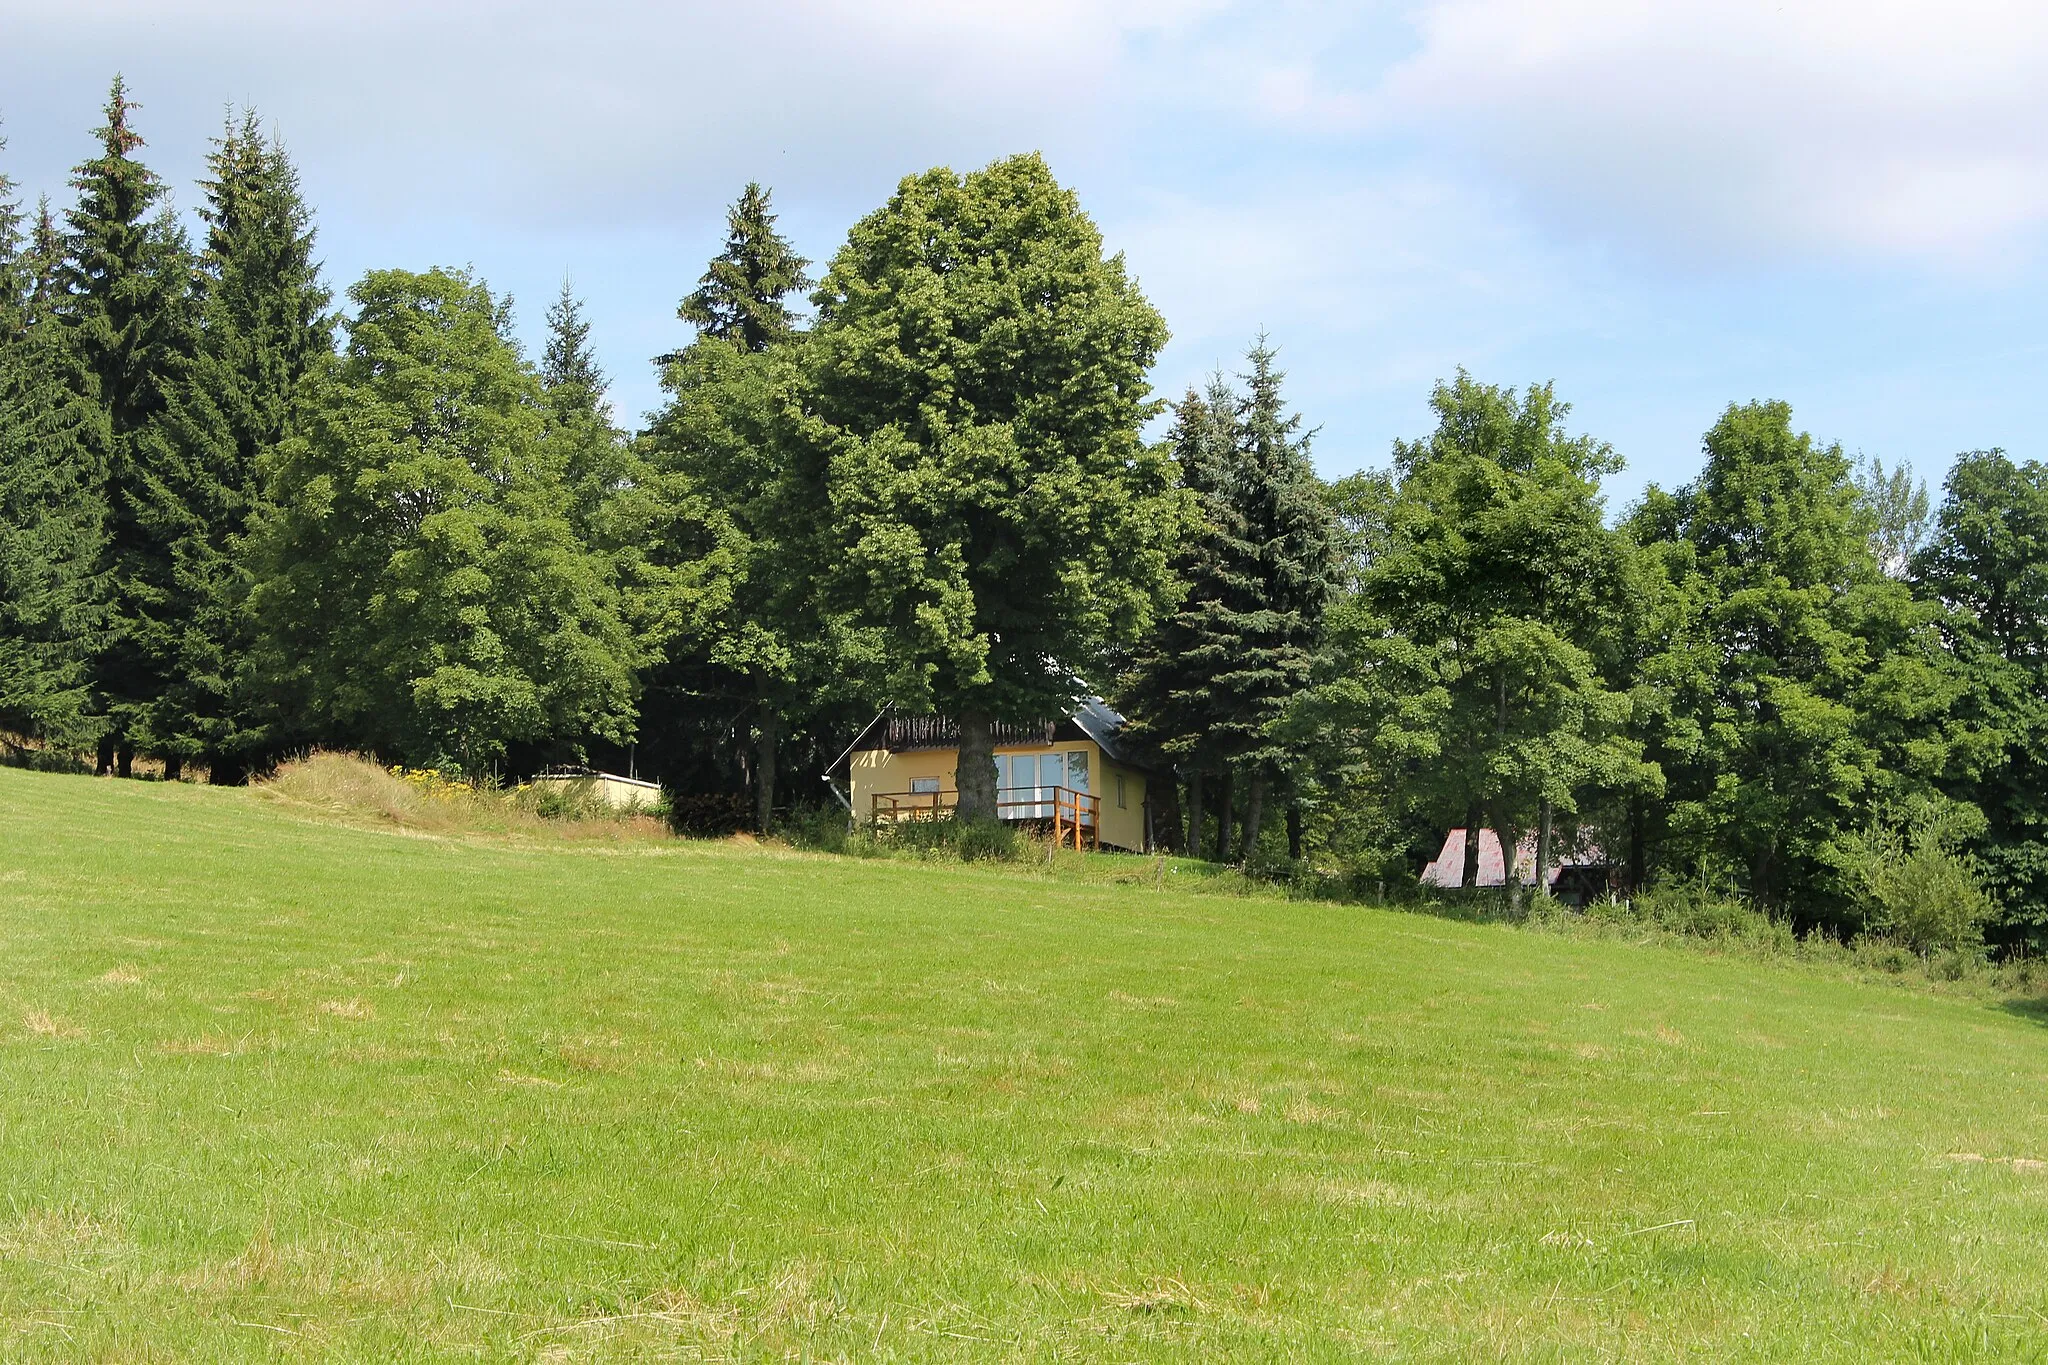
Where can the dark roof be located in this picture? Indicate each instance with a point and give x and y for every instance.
(1091, 719)
(1103, 725)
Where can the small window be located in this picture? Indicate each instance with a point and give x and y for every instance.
(924, 786)
(1120, 792)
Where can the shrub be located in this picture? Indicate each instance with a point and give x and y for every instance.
(1914, 884)
(823, 828)
(985, 841)
(710, 815)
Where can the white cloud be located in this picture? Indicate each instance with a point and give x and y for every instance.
(1878, 127)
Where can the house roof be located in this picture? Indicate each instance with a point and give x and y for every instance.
(1103, 725)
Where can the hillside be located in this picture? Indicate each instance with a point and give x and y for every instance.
(277, 1087)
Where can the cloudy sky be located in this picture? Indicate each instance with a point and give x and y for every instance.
(1662, 205)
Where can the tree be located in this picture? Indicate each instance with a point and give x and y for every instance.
(974, 393)
(52, 508)
(1988, 566)
(123, 293)
(725, 449)
(422, 589)
(1826, 697)
(1466, 668)
(1897, 506)
(264, 328)
(1165, 689)
(1282, 587)
(744, 296)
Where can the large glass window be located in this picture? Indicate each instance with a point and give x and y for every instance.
(1077, 769)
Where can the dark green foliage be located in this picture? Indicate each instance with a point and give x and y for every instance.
(974, 392)
(744, 296)
(1210, 684)
(263, 330)
(124, 294)
(424, 594)
(1988, 564)
(52, 503)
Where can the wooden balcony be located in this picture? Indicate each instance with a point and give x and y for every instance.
(1075, 816)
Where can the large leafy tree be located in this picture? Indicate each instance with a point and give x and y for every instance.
(264, 329)
(975, 390)
(124, 291)
(1988, 564)
(52, 498)
(424, 592)
(1466, 669)
(1823, 697)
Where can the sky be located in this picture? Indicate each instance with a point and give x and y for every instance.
(1662, 206)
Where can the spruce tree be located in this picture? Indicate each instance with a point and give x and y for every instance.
(124, 295)
(1281, 587)
(52, 517)
(263, 329)
(1166, 689)
(591, 452)
(720, 447)
(744, 296)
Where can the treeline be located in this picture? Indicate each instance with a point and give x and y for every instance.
(238, 524)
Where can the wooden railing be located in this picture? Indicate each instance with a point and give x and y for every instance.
(1075, 816)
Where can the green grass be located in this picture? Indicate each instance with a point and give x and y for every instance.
(273, 1086)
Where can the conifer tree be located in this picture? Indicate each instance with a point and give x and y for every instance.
(263, 329)
(124, 293)
(1284, 583)
(744, 296)
(52, 517)
(1166, 690)
(590, 450)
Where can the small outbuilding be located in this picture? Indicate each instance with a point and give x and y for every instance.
(610, 789)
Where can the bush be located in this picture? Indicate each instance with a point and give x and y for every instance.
(1915, 886)
(985, 841)
(823, 828)
(710, 815)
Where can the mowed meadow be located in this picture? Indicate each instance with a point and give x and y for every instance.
(279, 1085)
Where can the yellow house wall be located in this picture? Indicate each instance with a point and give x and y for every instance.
(877, 771)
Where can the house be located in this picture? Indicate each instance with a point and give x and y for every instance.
(1072, 774)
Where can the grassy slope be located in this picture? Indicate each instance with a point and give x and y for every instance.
(275, 1087)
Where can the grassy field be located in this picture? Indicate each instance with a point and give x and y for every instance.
(275, 1086)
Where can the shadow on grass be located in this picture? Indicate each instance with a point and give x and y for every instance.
(2034, 1009)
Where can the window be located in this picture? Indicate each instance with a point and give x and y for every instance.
(1077, 769)
(924, 786)
(1120, 792)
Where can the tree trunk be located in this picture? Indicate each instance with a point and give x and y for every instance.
(1638, 855)
(767, 731)
(1543, 832)
(124, 759)
(1193, 846)
(1294, 831)
(1469, 877)
(1510, 842)
(976, 775)
(225, 772)
(1225, 799)
(1254, 815)
(174, 768)
(1162, 816)
(104, 763)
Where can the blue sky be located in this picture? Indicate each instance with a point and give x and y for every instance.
(1661, 205)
